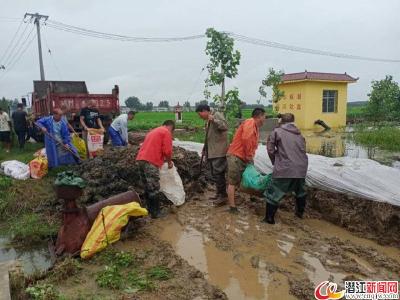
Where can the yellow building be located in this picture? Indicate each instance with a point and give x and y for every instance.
(313, 96)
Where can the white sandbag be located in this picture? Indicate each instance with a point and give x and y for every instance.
(171, 185)
(357, 177)
(15, 169)
(40, 152)
(94, 143)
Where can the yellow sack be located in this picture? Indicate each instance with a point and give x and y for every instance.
(38, 167)
(79, 145)
(106, 229)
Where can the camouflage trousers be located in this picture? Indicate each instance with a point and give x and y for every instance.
(150, 177)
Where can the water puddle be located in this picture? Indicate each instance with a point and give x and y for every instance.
(285, 247)
(254, 270)
(31, 260)
(339, 143)
(235, 274)
(317, 272)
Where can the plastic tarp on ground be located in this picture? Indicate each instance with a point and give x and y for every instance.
(357, 177)
(15, 169)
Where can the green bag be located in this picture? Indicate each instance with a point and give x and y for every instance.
(68, 178)
(252, 179)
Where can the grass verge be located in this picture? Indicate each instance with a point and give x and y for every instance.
(386, 137)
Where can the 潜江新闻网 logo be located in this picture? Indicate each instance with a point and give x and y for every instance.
(327, 290)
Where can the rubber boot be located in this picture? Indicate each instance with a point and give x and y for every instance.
(300, 206)
(270, 213)
(155, 207)
(150, 205)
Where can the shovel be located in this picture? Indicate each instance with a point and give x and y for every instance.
(204, 152)
(74, 155)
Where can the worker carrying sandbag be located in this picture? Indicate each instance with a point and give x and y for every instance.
(93, 129)
(287, 150)
(118, 131)
(155, 150)
(59, 149)
(241, 152)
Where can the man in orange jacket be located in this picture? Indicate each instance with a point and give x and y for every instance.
(241, 152)
(155, 150)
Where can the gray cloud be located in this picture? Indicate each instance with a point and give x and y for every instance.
(156, 71)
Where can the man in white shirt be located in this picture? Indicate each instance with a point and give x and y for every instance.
(5, 130)
(118, 130)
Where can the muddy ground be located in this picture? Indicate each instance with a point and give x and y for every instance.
(213, 254)
(116, 171)
(77, 279)
(253, 260)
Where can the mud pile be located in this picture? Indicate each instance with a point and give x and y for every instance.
(116, 171)
(136, 138)
(368, 219)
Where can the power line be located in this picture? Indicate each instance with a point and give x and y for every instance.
(104, 35)
(195, 84)
(20, 50)
(52, 58)
(270, 44)
(11, 53)
(20, 55)
(9, 18)
(240, 38)
(12, 40)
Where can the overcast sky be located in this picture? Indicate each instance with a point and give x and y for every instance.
(172, 71)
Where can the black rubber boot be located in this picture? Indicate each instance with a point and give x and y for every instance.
(155, 207)
(300, 206)
(270, 213)
(150, 205)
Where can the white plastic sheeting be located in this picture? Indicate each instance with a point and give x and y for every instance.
(357, 177)
(171, 185)
(16, 169)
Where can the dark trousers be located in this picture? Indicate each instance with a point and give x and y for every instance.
(218, 168)
(279, 187)
(21, 134)
(150, 177)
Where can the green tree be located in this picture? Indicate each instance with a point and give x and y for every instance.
(164, 103)
(149, 106)
(272, 80)
(384, 100)
(5, 104)
(201, 102)
(134, 103)
(224, 62)
(233, 104)
(186, 105)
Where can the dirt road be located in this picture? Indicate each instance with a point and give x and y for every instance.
(251, 260)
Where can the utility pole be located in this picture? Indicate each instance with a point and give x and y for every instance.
(37, 17)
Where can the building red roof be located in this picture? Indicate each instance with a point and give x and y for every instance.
(318, 76)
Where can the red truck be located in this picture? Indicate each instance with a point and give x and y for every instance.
(48, 95)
